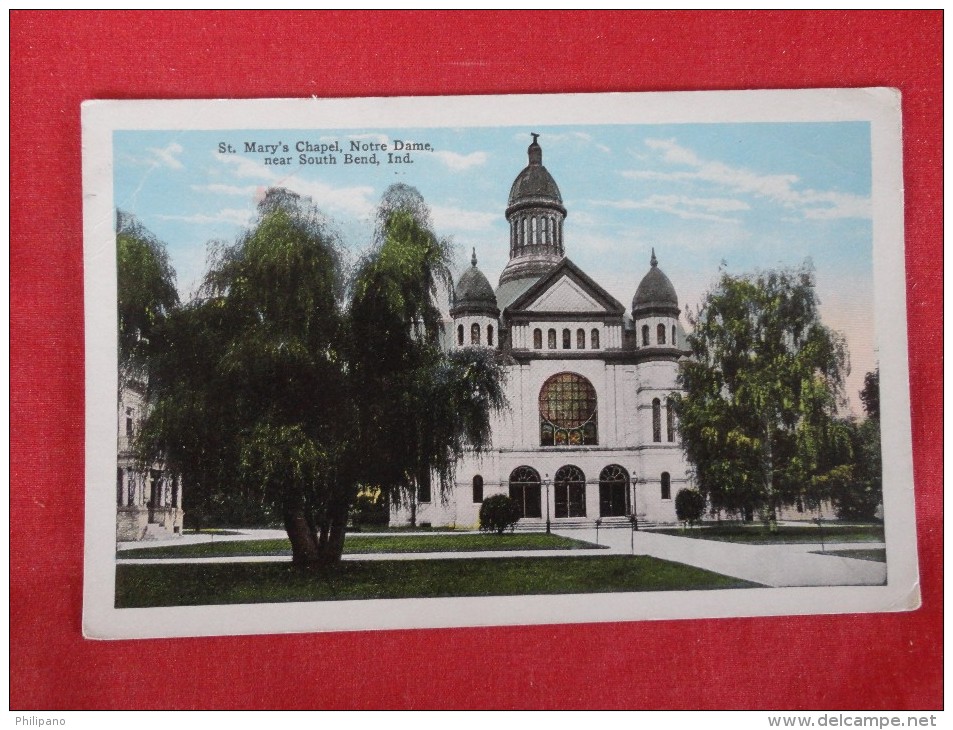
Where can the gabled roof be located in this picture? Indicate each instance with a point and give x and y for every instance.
(579, 294)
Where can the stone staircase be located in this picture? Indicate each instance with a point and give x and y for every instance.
(582, 523)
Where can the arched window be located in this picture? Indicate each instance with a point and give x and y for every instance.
(569, 492)
(580, 339)
(674, 337)
(525, 491)
(552, 339)
(660, 333)
(567, 411)
(614, 492)
(567, 339)
(460, 334)
(489, 335)
(666, 485)
(477, 489)
(645, 335)
(474, 334)
(656, 420)
(594, 339)
(538, 338)
(670, 420)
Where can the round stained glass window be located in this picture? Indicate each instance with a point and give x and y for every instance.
(567, 411)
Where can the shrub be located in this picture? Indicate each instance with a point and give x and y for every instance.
(689, 506)
(497, 513)
(370, 508)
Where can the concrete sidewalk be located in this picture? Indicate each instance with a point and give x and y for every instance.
(241, 534)
(769, 565)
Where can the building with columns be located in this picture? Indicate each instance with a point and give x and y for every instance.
(590, 431)
(148, 500)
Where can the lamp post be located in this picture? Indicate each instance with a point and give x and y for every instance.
(546, 482)
(635, 512)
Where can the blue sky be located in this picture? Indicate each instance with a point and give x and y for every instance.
(752, 195)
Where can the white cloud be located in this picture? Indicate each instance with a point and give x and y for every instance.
(459, 162)
(685, 207)
(166, 156)
(450, 217)
(247, 191)
(355, 200)
(352, 200)
(236, 216)
(246, 168)
(781, 188)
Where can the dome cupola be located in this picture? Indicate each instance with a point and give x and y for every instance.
(655, 293)
(655, 312)
(535, 213)
(473, 293)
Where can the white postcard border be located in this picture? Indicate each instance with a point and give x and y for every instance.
(879, 107)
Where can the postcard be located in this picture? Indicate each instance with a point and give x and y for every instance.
(383, 363)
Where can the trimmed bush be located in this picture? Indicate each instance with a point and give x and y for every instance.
(498, 513)
(689, 506)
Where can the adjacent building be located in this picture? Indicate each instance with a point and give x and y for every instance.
(148, 500)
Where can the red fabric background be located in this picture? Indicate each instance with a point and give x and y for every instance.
(58, 60)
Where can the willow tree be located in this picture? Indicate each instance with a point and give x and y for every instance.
(287, 391)
(419, 407)
(146, 292)
(761, 391)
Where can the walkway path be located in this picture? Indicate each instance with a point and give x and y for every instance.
(770, 565)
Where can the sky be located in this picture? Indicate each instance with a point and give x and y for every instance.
(742, 197)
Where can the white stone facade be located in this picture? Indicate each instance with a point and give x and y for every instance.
(579, 375)
(148, 501)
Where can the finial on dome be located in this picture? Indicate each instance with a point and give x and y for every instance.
(535, 151)
(473, 257)
(653, 261)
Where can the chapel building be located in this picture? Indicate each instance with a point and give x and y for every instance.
(590, 430)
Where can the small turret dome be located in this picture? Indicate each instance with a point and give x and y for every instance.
(534, 183)
(473, 293)
(655, 291)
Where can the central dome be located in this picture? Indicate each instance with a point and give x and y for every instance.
(534, 183)
(535, 213)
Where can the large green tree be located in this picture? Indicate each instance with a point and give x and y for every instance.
(856, 487)
(146, 291)
(761, 392)
(284, 391)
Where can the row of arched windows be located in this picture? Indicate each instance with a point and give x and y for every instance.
(567, 339)
(475, 334)
(533, 230)
(659, 335)
(569, 491)
(657, 420)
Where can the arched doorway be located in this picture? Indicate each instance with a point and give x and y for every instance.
(614, 492)
(569, 492)
(525, 491)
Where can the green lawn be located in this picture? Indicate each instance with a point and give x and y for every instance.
(785, 534)
(200, 584)
(877, 555)
(354, 544)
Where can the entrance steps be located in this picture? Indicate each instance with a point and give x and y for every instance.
(581, 523)
(156, 532)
